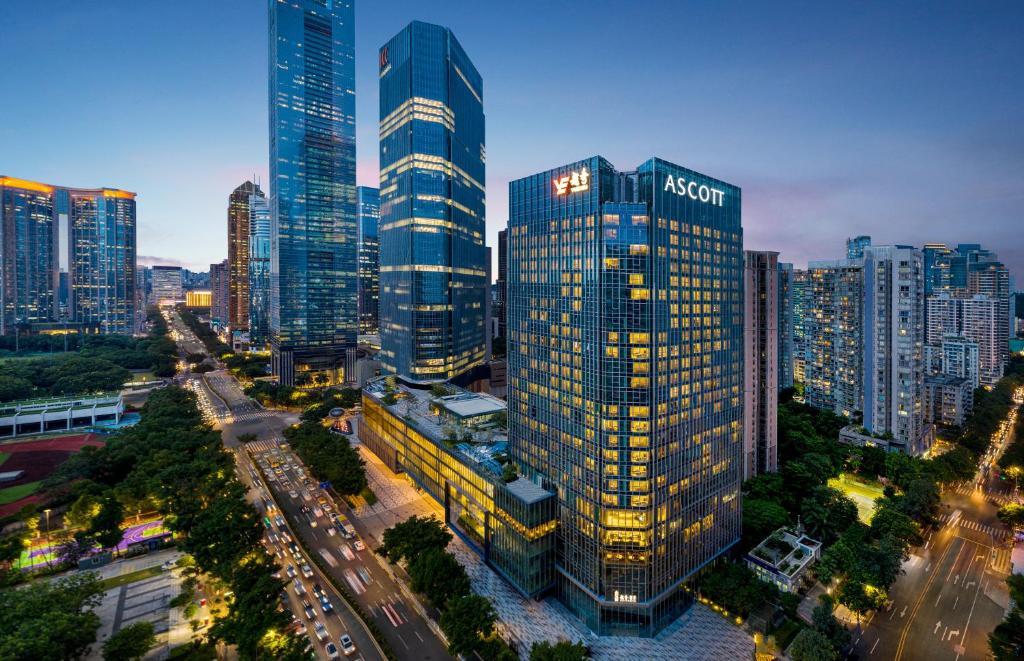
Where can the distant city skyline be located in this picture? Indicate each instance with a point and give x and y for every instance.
(827, 142)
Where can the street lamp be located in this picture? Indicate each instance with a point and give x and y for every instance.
(48, 549)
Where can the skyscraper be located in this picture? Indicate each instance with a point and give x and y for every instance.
(834, 329)
(314, 316)
(28, 260)
(259, 271)
(800, 303)
(432, 257)
(501, 299)
(167, 289)
(625, 331)
(221, 291)
(894, 347)
(785, 325)
(369, 258)
(855, 246)
(761, 363)
(239, 219)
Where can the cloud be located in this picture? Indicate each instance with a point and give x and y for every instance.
(150, 260)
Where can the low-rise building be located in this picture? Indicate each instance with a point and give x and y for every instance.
(948, 399)
(859, 436)
(783, 558)
(452, 448)
(40, 416)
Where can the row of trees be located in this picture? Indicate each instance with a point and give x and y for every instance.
(174, 463)
(467, 619)
(329, 457)
(1007, 640)
(206, 335)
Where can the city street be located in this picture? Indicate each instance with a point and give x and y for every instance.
(952, 592)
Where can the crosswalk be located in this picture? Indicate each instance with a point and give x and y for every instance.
(970, 490)
(998, 533)
(252, 415)
(264, 445)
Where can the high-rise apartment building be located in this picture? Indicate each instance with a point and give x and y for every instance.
(855, 246)
(167, 287)
(991, 278)
(625, 331)
(761, 364)
(368, 209)
(433, 276)
(894, 337)
(314, 314)
(800, 306)
(239, 219)
(220, 289)
(28, 256)
(979, 319)
(259, 271)
(960, 358)
(501, 285)
(785, 325)
(834, 329)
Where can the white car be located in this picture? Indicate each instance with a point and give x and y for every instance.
(347, 646)
(332, 650)
(307, 571)
(293, 494)
(359, 546)
(319, 630)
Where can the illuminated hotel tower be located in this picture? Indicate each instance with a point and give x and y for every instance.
(625, 331)
(239, 219)
(433, 277)
(313, 316)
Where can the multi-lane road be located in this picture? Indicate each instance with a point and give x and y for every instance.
(952, 592)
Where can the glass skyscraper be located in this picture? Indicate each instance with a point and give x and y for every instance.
(433, 274)
(625, 331)
(259, 271)
(239, 217)
(28, 260)
(313, 314)
(786, 325)
(369, 258)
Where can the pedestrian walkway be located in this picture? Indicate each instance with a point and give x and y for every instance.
(263, 445)
(971, 490)
(252, 415)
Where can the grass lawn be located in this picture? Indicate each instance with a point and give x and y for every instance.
(862, 493)
(4, 456)
(131, 577)
(786, 632)
(11, 494)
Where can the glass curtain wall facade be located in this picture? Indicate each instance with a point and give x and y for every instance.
(239, 218)
(625, 326)
(259, 271)
(433, 275)
(28, 254)
(786, 332)
(369, 258)
(102, 259)
(761, 365)
(314, 316)
(800, 300)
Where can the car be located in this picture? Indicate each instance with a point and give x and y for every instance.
(319, 630)
(300, 589)
(347, 645)
(294, 548)
(321, 500)
(326, 606)
(327, 507)
(358, 545)
(317, 511)
(286, 536)
(307, 609)
(279, 520)
(170, 564)
(318, 590)
(293, 494)
(332, 650)
(306, 570)
(346, 551)
(304, 509)
(330, 531)
(290, 569)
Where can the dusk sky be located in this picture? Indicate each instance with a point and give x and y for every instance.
(904, 121)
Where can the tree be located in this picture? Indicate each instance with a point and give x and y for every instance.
(920, 500)
(563, 650)
(1007, 640)
(415, 535)
(106, 525)
(50, 620)
(810, 645)
(827, 625)
(872, 462)
(761, 518)
(466, 620)
(889, 521)
(736, 588)
(1012, 515)
(130, 643)
(82, 512)
(827, 513)
(12, 388)
(252, 612)
(439, 576)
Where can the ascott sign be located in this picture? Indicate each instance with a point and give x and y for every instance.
(574, 182)
(694, 190)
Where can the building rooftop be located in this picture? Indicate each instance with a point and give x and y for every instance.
(470, 405)
(527, 491)
(785, 551)
(944, 380)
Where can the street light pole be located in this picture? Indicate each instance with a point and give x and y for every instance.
(48, 549)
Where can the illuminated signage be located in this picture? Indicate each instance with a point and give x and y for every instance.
(694, 191)
(574, 182)
(625, 598)
(384, 59)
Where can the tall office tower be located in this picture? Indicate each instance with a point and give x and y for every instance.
(501, 297)
(368, 209)
(28, 256)
(893, 339)
(981, 321)
(101, 238)
(855, 246)
(834, 328)
(785, 325)
(259, 271)
(432, 256)
(239, 219)
(313, 310)
(167, 285)
(761, 362)
(800, 306)
(960, 358)
(221, 289)
(625, 323)
(937, 265)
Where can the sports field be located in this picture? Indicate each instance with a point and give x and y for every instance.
(862, 493)
(41, 553)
